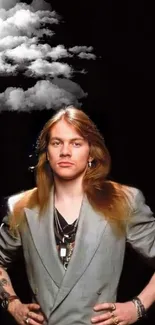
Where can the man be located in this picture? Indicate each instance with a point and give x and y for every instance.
(72, 230)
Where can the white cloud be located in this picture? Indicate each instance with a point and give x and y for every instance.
(22, 20)
(83, 52)
(26, 52)
(7, 29)
(78, 49)
(87, 56)
(23, 29)
(44, 68)
(58, 52)
(10, 42)
(31, 51)
(26, 19)
(44, 95)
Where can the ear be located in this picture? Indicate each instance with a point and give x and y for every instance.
(47, 155)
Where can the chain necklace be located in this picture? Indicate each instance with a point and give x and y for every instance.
(66, 239)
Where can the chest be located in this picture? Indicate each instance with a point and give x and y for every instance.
(70, 211)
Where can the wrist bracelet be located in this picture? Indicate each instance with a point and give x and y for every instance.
(7, 299)
(141, 311)
(13, 297)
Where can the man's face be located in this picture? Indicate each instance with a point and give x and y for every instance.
(67, 152)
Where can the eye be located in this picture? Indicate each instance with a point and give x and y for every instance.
(55, 143)
(76, 144)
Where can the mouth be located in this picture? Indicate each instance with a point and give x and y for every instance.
(65, 163)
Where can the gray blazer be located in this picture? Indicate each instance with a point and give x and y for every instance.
(93, 274)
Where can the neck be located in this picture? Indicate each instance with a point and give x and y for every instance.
(66, 190)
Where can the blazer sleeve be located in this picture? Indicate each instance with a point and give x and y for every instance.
(141, 227)
(10, 246)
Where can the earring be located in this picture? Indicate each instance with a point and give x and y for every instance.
(89, 164)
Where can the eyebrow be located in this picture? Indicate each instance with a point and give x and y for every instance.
(72, 139)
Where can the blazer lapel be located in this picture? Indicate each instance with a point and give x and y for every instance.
(90, 230)
(41, 228)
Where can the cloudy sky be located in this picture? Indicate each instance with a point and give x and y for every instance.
(26, 33)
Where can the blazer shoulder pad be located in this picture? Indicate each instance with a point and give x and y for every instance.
(13, 199)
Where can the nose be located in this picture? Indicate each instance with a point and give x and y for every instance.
(65, 150)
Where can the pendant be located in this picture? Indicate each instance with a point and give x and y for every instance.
(68, 256)
(62, 250)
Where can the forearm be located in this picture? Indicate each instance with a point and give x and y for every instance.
(22, 313)
(147, 296)
(6, 288)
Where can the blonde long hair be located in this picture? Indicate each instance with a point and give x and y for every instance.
(106, 197)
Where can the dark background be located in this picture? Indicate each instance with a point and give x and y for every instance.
(120, 86)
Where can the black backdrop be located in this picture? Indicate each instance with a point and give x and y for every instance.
(120, 86)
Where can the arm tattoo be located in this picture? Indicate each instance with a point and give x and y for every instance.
(4, 282)
(3, 292)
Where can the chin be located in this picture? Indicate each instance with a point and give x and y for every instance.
(68, 177)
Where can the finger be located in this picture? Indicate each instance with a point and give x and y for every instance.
(37, 317)
(111, 322)
(33, 322)
(104, 306)
(101, 318)
(105, 322)
(33, 306)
